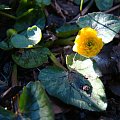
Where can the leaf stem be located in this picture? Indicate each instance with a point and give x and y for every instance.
(81, 5)
(8, 15)
(55, 61)
(25, 13)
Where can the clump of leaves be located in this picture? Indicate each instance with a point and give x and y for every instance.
(78, 84)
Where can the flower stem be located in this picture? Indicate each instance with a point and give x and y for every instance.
(8, 15)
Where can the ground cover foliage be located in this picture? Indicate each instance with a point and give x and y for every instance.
(41, 78)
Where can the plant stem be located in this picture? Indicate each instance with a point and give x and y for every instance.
(55, 61)
(81, 5)
(8, 15)
(25, 13)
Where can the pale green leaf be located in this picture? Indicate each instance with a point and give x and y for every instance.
(107, 25)
(33, 36)
(87, 68)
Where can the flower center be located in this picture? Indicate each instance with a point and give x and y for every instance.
(90, 44)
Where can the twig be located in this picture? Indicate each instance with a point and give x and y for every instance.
(87, 7)
(58, 9)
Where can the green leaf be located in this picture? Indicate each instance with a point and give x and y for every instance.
(41, 23)
(107, 25)
(28, 18)
(33, 36)
(87, 68)
(34, 103)
(69, 86)
(42, 3)
(6, 115)
(104, 4)
(67, 30)
(24, 5)
(30, 58)
(6, 45)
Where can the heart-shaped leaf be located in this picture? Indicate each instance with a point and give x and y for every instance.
(73, 88)
(104, 4)
(34, 103)
(33, 36)
(6, 115)
(107, 25)
(30, 58)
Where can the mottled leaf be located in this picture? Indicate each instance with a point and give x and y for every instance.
(104, 4)
(33, 36)
(87, 68)
(30, 58)
(72, 88)
(34, 103)
(6, 115)
(107, 25)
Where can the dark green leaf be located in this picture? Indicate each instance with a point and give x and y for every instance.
(33, 36)
(104, 4)
(27, 20)
(42, 3)
(69, 86)
(24, 5)
(6, 115)
(34, 103)
(6, 45)
(41, 23)
(30, 58)
(67, 30)
(107, 25)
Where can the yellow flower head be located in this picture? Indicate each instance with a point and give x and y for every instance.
(87, 43)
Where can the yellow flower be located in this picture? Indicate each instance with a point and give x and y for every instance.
(87, 43)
